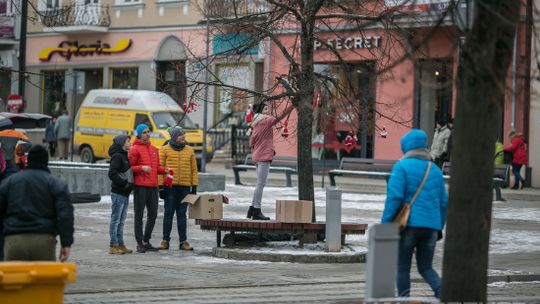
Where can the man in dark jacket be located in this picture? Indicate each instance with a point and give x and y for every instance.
(121, 185)
(36, 207)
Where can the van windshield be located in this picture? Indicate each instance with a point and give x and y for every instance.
(163, 120)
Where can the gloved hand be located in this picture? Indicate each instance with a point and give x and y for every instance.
(193, 190)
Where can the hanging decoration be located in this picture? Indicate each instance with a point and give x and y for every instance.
(249, 114)
(285, 132)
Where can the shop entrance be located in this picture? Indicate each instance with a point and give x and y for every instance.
(93, 79)
(433, 94)
(53, 96)
(171, 79)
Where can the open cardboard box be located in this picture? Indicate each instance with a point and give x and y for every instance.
(206, 206)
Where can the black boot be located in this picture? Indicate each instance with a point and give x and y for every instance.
(250, 212)
(258, 215)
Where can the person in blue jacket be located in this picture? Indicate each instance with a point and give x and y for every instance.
(428, 212)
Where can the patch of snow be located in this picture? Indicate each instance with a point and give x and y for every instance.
(513, 241)
(507, 284)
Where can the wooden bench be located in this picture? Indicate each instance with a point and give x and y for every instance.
(365, 167)
(244, 225)
(501, 178)
(285, 164)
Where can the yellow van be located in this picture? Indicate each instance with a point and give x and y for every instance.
(106, 113)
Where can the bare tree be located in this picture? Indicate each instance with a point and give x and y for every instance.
(296, 28)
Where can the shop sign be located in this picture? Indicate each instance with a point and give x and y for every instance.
(347, 43)
(68, 49)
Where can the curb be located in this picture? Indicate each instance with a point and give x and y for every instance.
(243, 255)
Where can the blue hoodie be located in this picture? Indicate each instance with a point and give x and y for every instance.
(429, 209)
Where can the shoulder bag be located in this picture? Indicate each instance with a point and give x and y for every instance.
(402, 216)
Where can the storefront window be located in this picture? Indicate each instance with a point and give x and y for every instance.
(346, 108)
(54, 98)
(231, 100)
(171, 79)
(125, 78)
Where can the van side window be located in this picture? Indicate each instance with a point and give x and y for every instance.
(142, 118)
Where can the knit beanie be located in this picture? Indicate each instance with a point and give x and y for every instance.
(140, 128)
(176, 132)
(120, 139)
(38, 156)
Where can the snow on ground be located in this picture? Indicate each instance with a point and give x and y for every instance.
(357, 208)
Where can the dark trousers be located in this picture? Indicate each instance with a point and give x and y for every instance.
(52, 148)
(145, 197)
(30, 247)
(173, 203)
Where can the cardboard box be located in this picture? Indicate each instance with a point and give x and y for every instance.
(294, 211)
(206, 206)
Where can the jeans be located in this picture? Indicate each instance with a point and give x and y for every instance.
(145, 197)
(118, 218)
(516, 168)
(424, 241)
(173, 203)
(262, 174)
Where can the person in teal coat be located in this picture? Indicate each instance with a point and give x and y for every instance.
(428, 213)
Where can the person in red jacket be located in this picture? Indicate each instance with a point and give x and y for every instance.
(519, 156)
(144, 160)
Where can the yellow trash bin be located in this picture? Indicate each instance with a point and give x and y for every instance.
(35, 282)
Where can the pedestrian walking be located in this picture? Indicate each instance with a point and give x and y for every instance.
(36, 207)
(62, 130)
(413, 173)
(439, 145)
(518, 147)
(121, 178)
(450, 143)
(144, 160)
(50, 137)
(180, 159)
(261, 142)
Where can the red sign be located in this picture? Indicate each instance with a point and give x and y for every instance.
(15, 103)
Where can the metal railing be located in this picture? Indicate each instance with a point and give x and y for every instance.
(239, 144)
(221, 131)
(77, 15)
(223, 9)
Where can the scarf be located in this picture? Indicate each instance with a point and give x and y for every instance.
(418, 153)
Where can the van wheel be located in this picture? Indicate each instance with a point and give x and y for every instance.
(87, 156)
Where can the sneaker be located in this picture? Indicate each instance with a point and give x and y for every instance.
(125, 249)
(149, 247)
(141, 248)
(115, 249)
(164, 245)
(185, 246)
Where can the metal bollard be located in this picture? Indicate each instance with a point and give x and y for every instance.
(333, 219)
(382, 261)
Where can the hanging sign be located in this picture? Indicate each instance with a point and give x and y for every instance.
(68, 49)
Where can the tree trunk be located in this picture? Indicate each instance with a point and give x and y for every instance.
(482, 76)
(306, 82)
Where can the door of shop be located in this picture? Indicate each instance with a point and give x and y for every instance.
(433, 94)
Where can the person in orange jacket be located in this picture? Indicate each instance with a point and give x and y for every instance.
(180, 157)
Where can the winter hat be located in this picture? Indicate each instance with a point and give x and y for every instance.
(121, 139)
(176, 132)
(140, 128)
(38, 156)
(414, 139)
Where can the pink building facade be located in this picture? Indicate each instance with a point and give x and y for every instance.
(403, 91)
